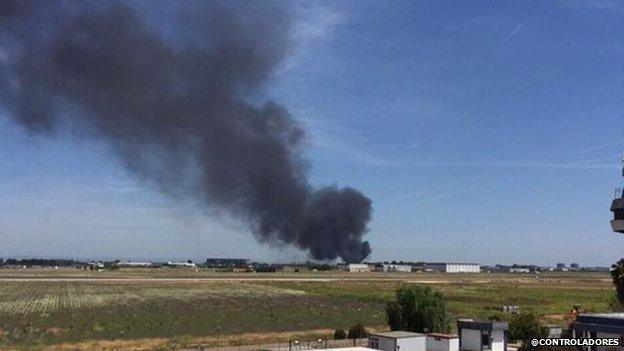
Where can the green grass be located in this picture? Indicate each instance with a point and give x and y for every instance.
(38, 313)
(47, 313)
(467, 297)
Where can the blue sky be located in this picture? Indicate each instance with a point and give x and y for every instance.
(482, 131)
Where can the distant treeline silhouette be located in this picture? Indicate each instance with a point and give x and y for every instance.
(40, 262)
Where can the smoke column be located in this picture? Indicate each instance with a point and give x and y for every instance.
(176, 99)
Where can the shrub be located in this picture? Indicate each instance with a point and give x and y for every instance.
(340, 334)
(525, 326)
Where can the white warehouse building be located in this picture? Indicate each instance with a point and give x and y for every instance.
(453, 267)
(354, 267)
(403, 268)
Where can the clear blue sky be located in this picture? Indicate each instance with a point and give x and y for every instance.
(482, 131)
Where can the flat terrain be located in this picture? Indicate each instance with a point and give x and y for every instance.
(78, 309)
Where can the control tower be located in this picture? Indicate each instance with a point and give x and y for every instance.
(617, 207)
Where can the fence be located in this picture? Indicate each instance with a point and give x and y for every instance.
(285, 345)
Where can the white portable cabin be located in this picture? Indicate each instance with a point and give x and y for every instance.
(398, 341)
(442, 342)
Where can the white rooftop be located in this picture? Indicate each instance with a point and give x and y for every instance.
(398, 334)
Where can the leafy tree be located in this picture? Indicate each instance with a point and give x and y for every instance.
(357, 332)
(394, 314)
(340, 334)
(617, 275)
(525, 326)
(417, 308)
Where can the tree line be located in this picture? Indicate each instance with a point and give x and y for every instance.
(40, 262)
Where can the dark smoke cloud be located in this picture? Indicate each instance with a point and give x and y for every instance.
(173, 97)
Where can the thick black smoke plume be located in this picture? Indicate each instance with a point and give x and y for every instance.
(173, 91)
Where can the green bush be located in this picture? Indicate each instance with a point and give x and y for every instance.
(525, 326)
(340, 334)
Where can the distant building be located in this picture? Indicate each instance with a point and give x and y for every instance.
(453, 267)
(523, 268)
(442, 342)
(403, 268)
(227, 263)
(354, 267)
(398, 340)
(134, 264)
(264, 268)
(561, 267)
(499, 268)
(479, 336)
(181, 264)
(575, 266)
(95, 265)
(241, 270)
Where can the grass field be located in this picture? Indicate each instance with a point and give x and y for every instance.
(43, 308)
